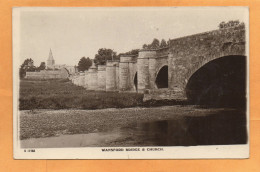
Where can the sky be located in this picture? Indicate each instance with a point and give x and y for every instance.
(72, 33)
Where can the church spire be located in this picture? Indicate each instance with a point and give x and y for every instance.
(50, 55)
(50, 61)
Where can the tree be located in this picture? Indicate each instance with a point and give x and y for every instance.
(104, 55)
(27, 66)
(28, 63)
(231, 23)
(145, 46)
(42, 66)
(155, 44)
(132, 52)
(221, 25)
(22, 73)
(163, 44)
(84, 64)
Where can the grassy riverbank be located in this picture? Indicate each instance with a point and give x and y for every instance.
(62, 94)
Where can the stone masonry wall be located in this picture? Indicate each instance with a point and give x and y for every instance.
(82, 79)
(111, 76)
(92, 78)
(86, 80)
(143, 69)
(101, 77)
(48, 74)
(127, 70)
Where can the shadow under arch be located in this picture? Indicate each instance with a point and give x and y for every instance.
(220, 82)
(161, 80)
(135, 82)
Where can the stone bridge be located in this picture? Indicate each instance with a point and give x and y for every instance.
(176, 71)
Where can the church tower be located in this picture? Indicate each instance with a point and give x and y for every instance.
(50, 61)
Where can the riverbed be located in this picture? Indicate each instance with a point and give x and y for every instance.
(185, 125)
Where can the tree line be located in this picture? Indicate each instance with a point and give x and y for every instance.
(28, 66)
(102, 56)
(105, 54)
(231, 23)
(156, 44)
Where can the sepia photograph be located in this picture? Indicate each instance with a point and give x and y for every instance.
(130, 82)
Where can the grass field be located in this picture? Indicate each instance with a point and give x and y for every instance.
(62, 94)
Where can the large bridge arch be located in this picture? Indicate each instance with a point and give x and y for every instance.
(201, 61)
(188, 54)
(185, 56)
(220, 82)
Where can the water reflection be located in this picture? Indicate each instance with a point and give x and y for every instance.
(222, 128)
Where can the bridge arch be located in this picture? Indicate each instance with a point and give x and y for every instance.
(219, 82)
(161, 80)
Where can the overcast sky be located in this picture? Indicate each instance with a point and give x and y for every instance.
(72, 33)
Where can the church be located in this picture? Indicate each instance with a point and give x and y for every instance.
(52, 71)
(52, 66)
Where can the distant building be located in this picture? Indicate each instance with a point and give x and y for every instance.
(51, 65)
(52, 70)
